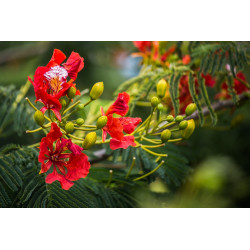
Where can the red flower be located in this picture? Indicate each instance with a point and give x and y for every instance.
(186, 59)
(238, 86)
(116, 126)
(73, 160)
(209, 80)
(143, 46)
(50, 82)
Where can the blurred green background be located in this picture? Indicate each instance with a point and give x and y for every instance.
(220, 156)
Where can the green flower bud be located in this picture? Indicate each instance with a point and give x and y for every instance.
(170, 118)
(39, 118)
(101, 122)
(79, 121)
(178, 118)
(188, 131)
(89, 140)
(190, 109)
(183, 125)
(165, 135)
(154, 101)
(80, 107)
(96, 90)
(69, 127)
(161, 88)
(160, 107)
(63, 102)
(71, 92)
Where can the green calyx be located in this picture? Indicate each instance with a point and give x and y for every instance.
(71, 92)
(155, 101)
(96, 90)
(179, 118)
(69, 127)
(165, 135)
(79, 121)
(89, 140)
(188, 131)
(170, 118)
(101, 122)
(161, 88)
(183, 125)
(39, 118)
(190, 109)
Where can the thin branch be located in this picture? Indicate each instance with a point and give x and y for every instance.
(222, 104)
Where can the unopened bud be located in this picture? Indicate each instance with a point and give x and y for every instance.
(190, 109)
(170, 118)
(101, 122)
(161, 88)
(80, 107)
(165, 135)
(89, 140)
(178, 118)
(71, 92)
(188, 131)
(79, 121)
(96, 90)
(69, 127)
(154, 101)
(63, 102)
(160, 107)
(39, 117)
(183, 125)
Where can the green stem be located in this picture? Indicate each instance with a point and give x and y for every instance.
(140, 126)
(32, 106)
(131, 168)
(153, 153)
(34, 145)
(68, 115)
(175, 140)
(110, 178)
(86, 129)
(153, 146)
(147, 126)
(149, 140)
(88, 102)
(69, 108)
(151, 172)
(88, 126)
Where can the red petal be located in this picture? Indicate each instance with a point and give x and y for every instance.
(74, 64)
(39, 79)
(129, 124)
(54, 176)
(78, 167)
(209, 80)
(54, 134)
(57, 113)
(46, 166)
(114, 127)
(75, 149)
(120, 106)
(143, 45)
(57, 58)
(125, 143)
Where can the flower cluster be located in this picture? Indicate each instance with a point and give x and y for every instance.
(156, 52)
(59, 155)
